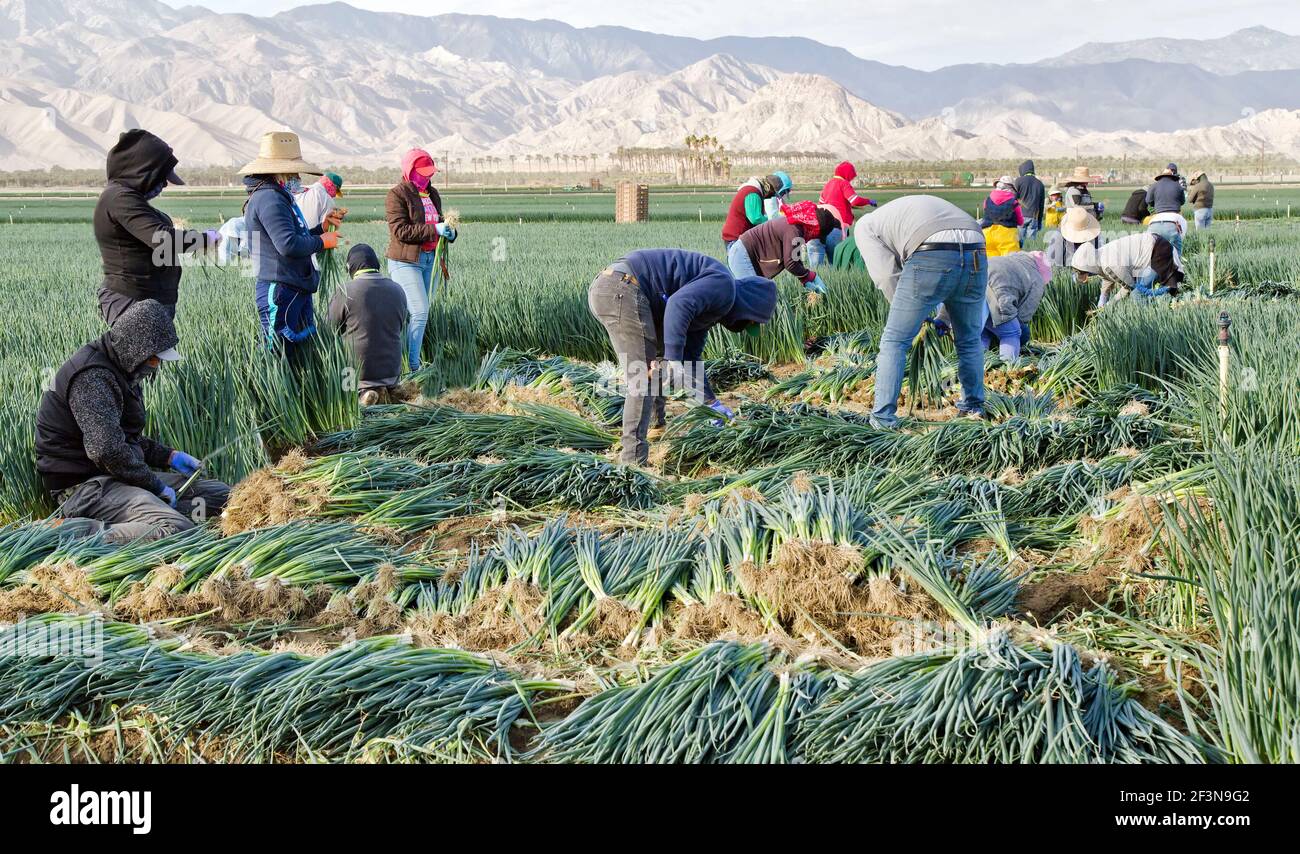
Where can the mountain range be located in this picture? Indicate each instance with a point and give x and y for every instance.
(361, 86)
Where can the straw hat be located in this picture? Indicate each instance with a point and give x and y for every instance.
(1055, 191)
(280, 153)
(1079, 226)
(1081, 175)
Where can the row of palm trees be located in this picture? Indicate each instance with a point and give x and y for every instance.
(537, 163)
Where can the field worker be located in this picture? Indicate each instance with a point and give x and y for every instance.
(1182, 182)
(1136, 209)
(777, 245)
(318, 200)
(139, 244)
(830, 234)
(1002, 219)
(1077, 228)
(663, 302)
(923, 252)
(1132, 263)
(1166, 195)
(747, 206)
(281, 244)
(839, 194)
(1200, 195)
(772, 207)
(1077, 194)
(1171, 225)
(1016, 286)
(1031, 194)
(91, 450)
(414, 212)
(1054, 209)
(370, 311)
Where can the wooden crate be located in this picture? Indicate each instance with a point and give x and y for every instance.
(631, 202)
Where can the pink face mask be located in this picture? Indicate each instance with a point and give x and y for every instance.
(420, 181)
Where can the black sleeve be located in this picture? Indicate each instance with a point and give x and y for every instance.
(96, 406)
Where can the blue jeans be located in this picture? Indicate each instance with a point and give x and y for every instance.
(1169, 232)
(1008, 335)
(739, 261)
(1204, 217)
(287, 315)
(417, 283)
(931, 278)
(1029, 231)
(816, 253)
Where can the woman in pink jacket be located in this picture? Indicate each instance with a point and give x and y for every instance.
(840, 195)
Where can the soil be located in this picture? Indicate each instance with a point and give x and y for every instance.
(1061, 594)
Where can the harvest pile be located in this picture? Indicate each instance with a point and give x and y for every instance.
(1104, 571)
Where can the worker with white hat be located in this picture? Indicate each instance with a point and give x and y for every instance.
(1131, 264)
(1078, 227)
(91, 450)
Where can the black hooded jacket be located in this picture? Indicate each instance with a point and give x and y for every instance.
(129, 230)
(1031, 193)
(91, 421)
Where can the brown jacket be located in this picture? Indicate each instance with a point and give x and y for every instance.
(775, 246)
(1200, 193)
(407, 230)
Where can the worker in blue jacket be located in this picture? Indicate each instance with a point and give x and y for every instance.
(662, 303)
(281, 244)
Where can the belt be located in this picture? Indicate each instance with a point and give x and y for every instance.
(950, 247)
(622, 277)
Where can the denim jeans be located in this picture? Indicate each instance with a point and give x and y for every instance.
(287, 315)
(1204, 217)
(417, 281)
(625, 312)
(1009, 336)
(816, 253)
(1169, 232)
(1029, 231)
(956, 280)
(739, 261)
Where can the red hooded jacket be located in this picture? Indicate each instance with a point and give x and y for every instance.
(839, 193)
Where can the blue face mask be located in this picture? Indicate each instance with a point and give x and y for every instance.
(294, 186)
(155, 192)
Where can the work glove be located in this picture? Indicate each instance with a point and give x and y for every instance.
(330, 239)
(169, 495)
(816, 285)
(446, 231)
(299, 337)
(334, 218)
(940, 326)
(721, 408)
(211, 237)
(183, 463)
(872, 203)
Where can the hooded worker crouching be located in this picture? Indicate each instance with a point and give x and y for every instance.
(91, 450)
(662, 303)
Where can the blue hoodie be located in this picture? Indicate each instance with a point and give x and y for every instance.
(281, 244)
(690, 293)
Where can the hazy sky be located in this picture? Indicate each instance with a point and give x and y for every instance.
(920, 33)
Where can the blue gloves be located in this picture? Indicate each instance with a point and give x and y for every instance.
(183, 463)
(168, 495)
(446, 231)
(816, 285)
(721, 408)
(940, 326)
(299, 337)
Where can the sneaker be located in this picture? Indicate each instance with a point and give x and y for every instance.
(369, 397)
(977, 415)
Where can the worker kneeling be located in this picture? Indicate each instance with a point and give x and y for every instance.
(663, 302)
(91, 450)
(1016, 285)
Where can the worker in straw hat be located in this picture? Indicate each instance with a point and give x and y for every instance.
(282, 243)
(1131, 264)
(91, 450)
(1002, 218)
(1077, 228)
(1077, 194)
